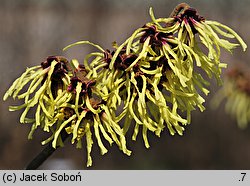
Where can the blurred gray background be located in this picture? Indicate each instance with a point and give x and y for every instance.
(31, 30)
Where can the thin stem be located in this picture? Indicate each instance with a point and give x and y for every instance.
(179, 8)
(44, 154)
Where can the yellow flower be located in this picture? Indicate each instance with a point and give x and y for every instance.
(66, 100)
(154, 72)
(46, 92)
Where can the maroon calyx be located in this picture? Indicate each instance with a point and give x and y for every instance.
(189, 13)
(157, 38)
(61, 68)
(189, 16)
(86, 85)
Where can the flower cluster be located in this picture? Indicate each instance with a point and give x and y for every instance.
(153, 78)
(155, 72)
(65, 100)
(236, 93)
